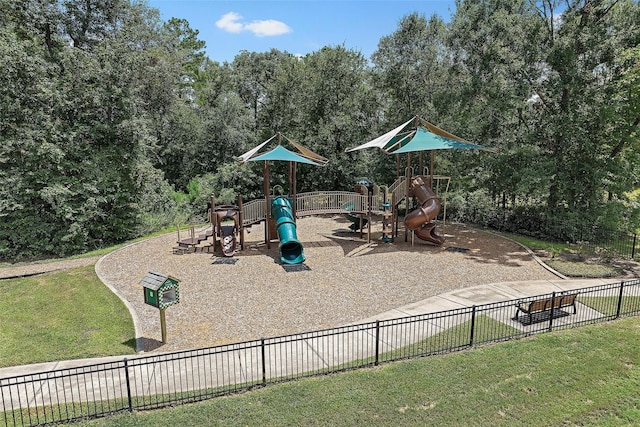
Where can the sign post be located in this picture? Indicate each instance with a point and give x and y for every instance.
(163, 325)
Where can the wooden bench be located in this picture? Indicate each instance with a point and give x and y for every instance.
(546, 305)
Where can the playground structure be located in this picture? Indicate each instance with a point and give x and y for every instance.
(420, 194)
(225, 229)
(367, 202)
(191, 243)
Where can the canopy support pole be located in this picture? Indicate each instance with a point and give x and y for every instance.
(431, 168)
(407, 177)
(241, 222)
(267, 207)
(295, 189)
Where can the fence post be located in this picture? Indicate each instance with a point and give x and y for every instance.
(377, 342)
(264, 359)
(473, 325)
(553, 303)
(126, 376)
(633, 248)
(620, 300)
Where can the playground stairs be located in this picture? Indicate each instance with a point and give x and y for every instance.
(190, 244)
(182, 250)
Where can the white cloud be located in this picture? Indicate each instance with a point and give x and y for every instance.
(269, 27)
(261, 28)
(229, 23)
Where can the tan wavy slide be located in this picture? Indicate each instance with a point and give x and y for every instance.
(420, 220)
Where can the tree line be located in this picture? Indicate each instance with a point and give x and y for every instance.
(115, 123)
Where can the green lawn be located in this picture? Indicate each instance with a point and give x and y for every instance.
(567, 268)
(63, 315)
(485, 328)
(535, 244)
(587, 376)
(608, 305)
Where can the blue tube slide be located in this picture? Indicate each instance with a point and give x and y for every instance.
(291, 251)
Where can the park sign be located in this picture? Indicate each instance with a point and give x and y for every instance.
(160, 290)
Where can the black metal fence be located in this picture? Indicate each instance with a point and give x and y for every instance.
(594, 239)
(588, 238)
(149, 382)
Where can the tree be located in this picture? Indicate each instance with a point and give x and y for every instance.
(410, 69)
(27, 153)
(252, 74)
(410, 64)
(335, 103)
(494, 46)
(74, 129)
(585, 133)
(538, 78)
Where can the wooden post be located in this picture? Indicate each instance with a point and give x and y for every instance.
(163, 325)
(212, 218)
(241, 222)
(290, 189)
(407, 177)
(369, 202)
(267, 205)
(295, 190)
(212, 199)
(394, 216)
(431, 162)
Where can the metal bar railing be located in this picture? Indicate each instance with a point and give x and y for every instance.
(320, 202)
(589, 238)
(253, 212)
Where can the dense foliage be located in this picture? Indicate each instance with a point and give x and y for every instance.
(114, 123)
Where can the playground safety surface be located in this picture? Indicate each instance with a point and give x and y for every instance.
(343, 280)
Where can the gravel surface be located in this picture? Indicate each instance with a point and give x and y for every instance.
(344, 279)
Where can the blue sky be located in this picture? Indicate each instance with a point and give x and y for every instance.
(298, 27)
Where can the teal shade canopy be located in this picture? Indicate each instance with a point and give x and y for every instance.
(423, 140)
(282, 154)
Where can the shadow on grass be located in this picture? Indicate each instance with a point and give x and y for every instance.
(131, 343)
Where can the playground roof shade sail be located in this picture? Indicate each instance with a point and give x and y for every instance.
(281, 153)
(423, 140)
(419, 138)
(249, 154)
(382, 141)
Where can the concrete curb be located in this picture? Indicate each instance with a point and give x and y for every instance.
(134, 316)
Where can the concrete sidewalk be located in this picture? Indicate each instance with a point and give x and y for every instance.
(478, 295)
(486, 294)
